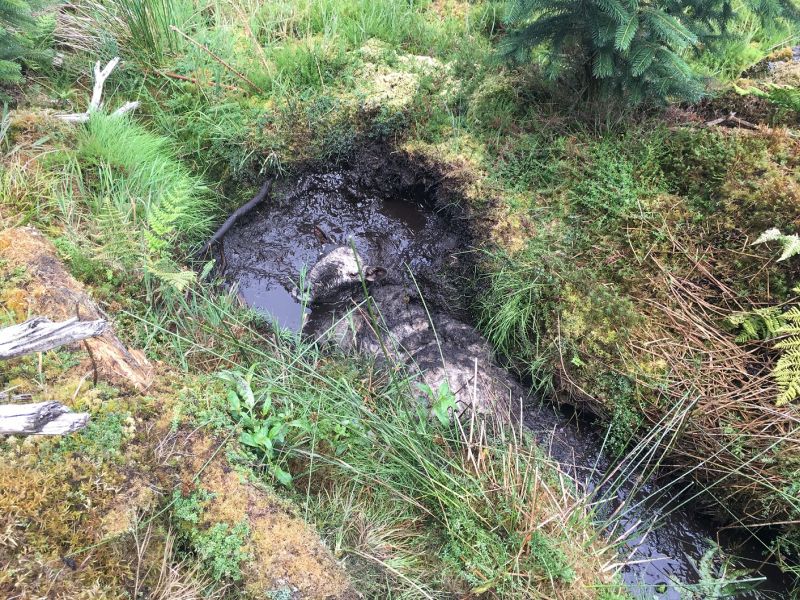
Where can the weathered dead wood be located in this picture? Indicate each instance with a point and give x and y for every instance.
(732, 119)
(40, 418)
(5, 396)
(100, 76)
(40, 334)
(51, 291)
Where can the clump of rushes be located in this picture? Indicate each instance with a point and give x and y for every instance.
(469, 508)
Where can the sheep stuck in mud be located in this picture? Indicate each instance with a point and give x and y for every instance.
(397, 328)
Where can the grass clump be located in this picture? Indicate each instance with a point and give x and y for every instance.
(137, 177)
(466, 511)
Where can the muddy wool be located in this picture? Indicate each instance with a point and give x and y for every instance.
(430, 344)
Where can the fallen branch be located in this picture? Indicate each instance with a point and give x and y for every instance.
(732, 119)
(238, 213)
(40, 334)
(217, 58)
(741, 122)
(5, 396)
(96, 102)
(197, 82)
(40, 418)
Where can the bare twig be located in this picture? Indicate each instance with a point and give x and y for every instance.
(259, 48)
(197, 82)
(216, 57)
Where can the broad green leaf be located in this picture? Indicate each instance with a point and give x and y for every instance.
(248, 440)
(282, 476)
(234, 403)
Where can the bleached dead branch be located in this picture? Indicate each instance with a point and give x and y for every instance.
(96, 102)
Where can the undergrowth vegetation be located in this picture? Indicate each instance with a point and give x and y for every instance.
(617, 271)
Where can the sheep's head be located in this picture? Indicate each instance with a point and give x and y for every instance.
(338, 271)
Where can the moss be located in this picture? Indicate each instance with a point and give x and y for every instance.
(280, 547)
(762, 186)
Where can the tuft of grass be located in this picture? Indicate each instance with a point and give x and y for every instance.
(517, 308)
(137, 172)
(148, 25)
(488, 513)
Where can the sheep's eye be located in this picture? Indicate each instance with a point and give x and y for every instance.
(352, 274)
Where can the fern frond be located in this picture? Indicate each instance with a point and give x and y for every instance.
(760, 324)
(789, 243)
(787, 369)
(177, 279)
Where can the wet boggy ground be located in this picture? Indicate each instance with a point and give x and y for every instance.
(268, 253)
(395, 219)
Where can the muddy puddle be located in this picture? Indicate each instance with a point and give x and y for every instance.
(396, 225)
(268, 253)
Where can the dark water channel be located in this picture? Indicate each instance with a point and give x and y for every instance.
(264, 256)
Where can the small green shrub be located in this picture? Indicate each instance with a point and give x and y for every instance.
(271, 430)
(222, 550)
(102, 439)
(627, 49)
(531, 163)
(221, 547)
(610, 184)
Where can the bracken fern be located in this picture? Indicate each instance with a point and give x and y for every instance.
(787, 370)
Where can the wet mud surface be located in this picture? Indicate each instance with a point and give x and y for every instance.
(267, 254)
(394, 222)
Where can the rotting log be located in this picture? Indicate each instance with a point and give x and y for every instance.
(262, 194)
(52, 292)
(40, 418)
(40, 334)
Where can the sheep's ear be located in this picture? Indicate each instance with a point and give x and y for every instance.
(374, 273)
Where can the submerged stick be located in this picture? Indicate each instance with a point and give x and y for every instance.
(239, 212)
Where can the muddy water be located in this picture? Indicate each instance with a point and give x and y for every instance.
(265, 256)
